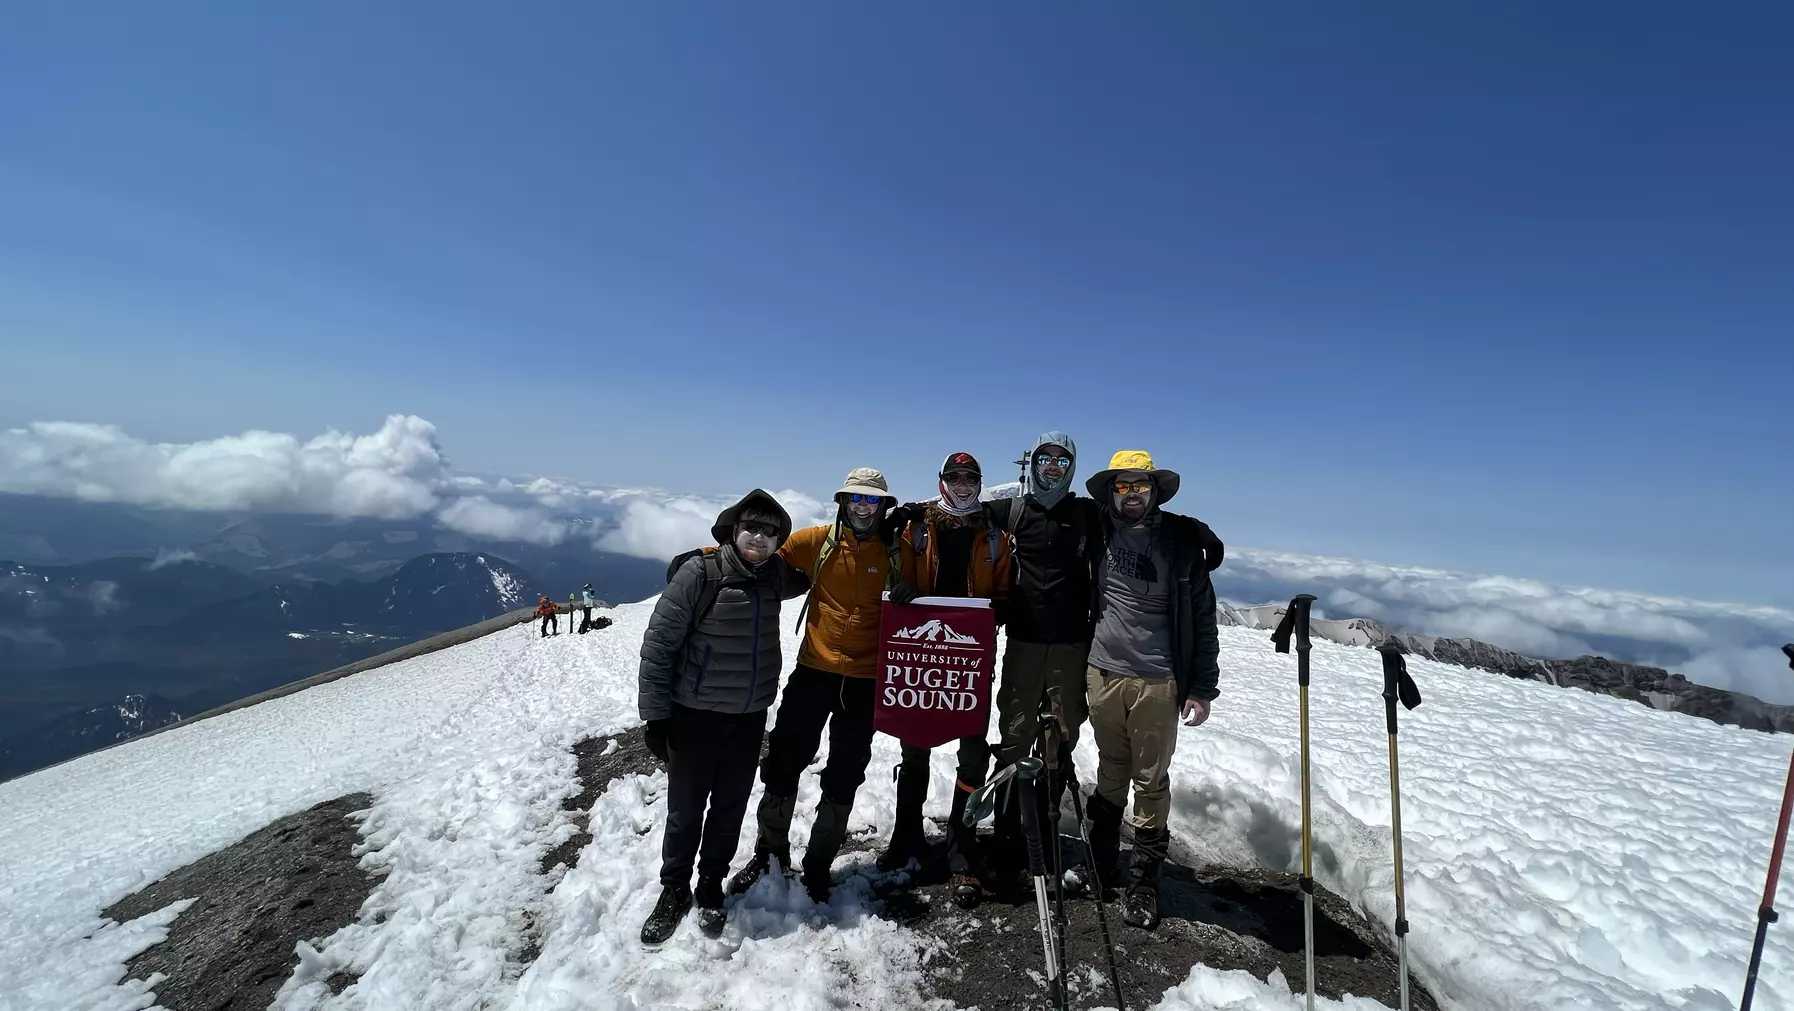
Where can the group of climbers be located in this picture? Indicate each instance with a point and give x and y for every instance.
(1106, 598)
(549, 612)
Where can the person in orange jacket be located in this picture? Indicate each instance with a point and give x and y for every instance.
(950, 550)
(851, 563)
(547, 610)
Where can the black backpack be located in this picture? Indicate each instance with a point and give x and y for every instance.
(713, 580)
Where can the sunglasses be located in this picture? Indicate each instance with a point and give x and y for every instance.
(1136, 487)
(857, 497)
(957, 476)
(761, 529)
(1043, 460)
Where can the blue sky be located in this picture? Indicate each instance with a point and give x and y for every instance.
(1503, 289)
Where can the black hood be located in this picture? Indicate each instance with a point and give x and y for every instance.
(724, 530)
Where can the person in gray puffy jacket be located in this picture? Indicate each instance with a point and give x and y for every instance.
(709, 672)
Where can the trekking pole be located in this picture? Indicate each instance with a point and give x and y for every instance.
(1027, 770)
(1766, 913)
(1102, 915)
(1397, 685)
(1296, 619)
(1050, 736)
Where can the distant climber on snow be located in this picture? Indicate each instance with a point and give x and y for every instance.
(547, 610)
(587, 598)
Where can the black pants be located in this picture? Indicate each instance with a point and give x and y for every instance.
(814, 698)
(712, 762)
(550, 620)
(585, 620)
(912, 792)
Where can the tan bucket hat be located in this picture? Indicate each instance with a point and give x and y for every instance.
(866, 481)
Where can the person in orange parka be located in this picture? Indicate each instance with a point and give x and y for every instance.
(547, 610)
(851, 562)
(949, 551)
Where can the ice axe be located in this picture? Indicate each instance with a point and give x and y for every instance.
(1766, 913)
(1397, 686)
(1296, 620)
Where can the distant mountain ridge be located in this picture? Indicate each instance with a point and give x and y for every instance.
(1651, 686)
(102, 651)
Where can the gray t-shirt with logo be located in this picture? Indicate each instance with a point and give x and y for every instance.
(1133, 635)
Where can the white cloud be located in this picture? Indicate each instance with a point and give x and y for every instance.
(479, 516)
(1720, 644)
(166, 557)
(397, 472)
(652, 524)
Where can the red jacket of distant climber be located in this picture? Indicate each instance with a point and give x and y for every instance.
(546, 608)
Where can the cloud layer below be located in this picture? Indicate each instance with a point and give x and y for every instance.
(1733, 646)
(401, 472)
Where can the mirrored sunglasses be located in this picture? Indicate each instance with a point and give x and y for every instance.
(857, 497)
(1136, 487)
(1045, 459)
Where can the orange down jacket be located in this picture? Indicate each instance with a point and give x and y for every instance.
(920, 570)
(841, 620)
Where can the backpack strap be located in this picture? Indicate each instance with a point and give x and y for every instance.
(991, 535)
(829, 541)
(713, 587)
(1015, 513)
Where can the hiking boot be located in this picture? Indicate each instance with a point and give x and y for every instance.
(675, 902)
(708, 897)
(908, 842)
(1141, 907)
(818, 881)
(968, 891)
(826, 837)
(757, 868)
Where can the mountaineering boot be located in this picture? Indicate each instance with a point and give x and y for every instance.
(675, 901)
(1141, 907)
(962, 853)
(1105, 841)
(773, 840)
(826, 837)
(908, 842)
(708, 897)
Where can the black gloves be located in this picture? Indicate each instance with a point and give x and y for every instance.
(903, 593)
(659, 735)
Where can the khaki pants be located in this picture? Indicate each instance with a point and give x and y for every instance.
(1029, 669)
(1135, 723)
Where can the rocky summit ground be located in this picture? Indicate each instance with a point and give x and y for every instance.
(298, 879)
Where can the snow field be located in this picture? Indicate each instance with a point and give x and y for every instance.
(1563, 850)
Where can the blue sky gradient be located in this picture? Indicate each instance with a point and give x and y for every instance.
(1502, 289)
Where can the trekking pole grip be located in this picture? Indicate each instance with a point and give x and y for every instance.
(1295, 620)
(1397, 684)
(1027, 770)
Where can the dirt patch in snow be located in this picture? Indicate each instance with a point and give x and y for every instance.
(295, 879)
(599, 764)
(1225, 918)
(601, 760)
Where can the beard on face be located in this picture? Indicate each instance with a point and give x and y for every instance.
(755, 548)
(1131, 506)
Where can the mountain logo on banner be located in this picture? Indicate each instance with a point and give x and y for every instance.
(934, 630)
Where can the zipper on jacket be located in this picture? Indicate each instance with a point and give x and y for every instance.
(703, 669)
(754, 677)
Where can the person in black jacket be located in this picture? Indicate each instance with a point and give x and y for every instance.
(1154, 656)
(709, 672)
(1056, 538)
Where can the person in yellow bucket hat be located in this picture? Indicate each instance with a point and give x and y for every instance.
(1154, 656)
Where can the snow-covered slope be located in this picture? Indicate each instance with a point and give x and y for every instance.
(1563, 850)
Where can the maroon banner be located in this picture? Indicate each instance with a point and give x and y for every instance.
(938, 658)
